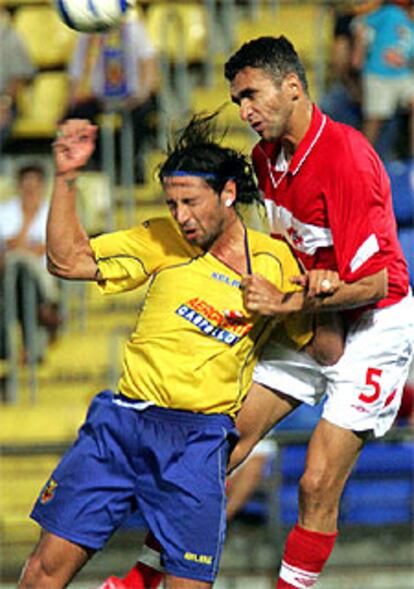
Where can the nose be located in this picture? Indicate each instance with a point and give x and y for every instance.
(181, 214)
(244, 110)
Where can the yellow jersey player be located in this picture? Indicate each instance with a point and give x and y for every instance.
(161, 442)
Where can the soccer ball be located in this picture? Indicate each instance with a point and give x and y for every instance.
(88, 16)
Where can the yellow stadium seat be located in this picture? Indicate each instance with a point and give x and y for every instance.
(41, 106)
(49, 41)
(308, 26)
(7, 187)
(163, 23)
(209, 100)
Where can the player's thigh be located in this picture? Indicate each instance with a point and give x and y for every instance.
(261, 410)
(55, 559)
(365, 386)
(173, 582)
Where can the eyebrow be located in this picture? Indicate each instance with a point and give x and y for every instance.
(245, 93)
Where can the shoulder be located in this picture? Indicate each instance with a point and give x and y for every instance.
(264, 245)
(343, 143)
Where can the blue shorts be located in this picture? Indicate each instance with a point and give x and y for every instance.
(169, 464)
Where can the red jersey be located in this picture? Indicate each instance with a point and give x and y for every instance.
(333, 204)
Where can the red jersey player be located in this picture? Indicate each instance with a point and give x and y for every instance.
(327, 193)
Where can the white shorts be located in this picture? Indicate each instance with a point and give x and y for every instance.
(364, 388)
(382, 96)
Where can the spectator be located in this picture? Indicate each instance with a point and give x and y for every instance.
(116, 71)
(342, 102)
(384, 49)
(16, 69)
(23, 237)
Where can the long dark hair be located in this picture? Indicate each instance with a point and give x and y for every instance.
(196, 149)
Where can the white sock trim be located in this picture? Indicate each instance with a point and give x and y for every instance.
(151, 558)
(297, 577)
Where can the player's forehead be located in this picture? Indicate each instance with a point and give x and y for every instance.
(249, 78)
(182, 185)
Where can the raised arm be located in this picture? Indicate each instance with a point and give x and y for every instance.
(68, 250)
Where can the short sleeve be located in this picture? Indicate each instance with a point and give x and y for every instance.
(359, 212)
(127, 259)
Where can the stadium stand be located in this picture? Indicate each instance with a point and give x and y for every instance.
(42, 105)
(85, 358)
(37, 24)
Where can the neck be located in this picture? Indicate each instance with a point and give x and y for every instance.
(299, 125)
(229, 246)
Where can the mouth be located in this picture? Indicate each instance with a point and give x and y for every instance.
(190, 233)
(257, 127)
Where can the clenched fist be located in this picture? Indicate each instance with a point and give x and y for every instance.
(74, 144)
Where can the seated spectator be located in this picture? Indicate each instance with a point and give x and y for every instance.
(22, 238)
(384, 49)
(16, 69)
(116, 72)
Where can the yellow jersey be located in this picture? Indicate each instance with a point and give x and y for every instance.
(184, 353)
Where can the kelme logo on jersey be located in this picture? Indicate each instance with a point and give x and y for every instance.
(212, 322)
(48, 491)
(226, 279)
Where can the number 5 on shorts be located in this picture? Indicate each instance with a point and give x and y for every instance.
(372, 374)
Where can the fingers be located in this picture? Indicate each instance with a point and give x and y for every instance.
(259, 294)
(75, 130)
(74, 144)
(322, 282)
(301, 280)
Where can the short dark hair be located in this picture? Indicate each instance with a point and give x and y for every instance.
(196, 148)
(30, 169)
(274, 55)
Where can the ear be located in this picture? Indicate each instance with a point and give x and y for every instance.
(293, 86)
(229, 193)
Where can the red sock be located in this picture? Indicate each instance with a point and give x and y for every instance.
(305, 555)
(144, 576)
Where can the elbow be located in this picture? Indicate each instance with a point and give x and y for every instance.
(380, 285)
(58, 269)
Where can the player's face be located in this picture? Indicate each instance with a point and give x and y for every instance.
(264, 105)
(199, 211)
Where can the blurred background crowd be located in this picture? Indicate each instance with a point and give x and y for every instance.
(138, 83)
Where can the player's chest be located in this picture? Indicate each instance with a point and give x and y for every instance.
(301, 196)
(204, 282)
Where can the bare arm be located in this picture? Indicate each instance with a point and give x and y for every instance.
(360, 45)
(67, 244)
(260, 296)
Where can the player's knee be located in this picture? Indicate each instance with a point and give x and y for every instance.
(317, 486)
(35, 575)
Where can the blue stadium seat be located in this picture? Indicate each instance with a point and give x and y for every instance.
(379, 491)
(377, 502)
(402, 182)
(386, 459)
(406, 237)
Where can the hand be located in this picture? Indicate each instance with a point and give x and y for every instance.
(261, 296)
(74, 144)
(318, 282)
(134, 101)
